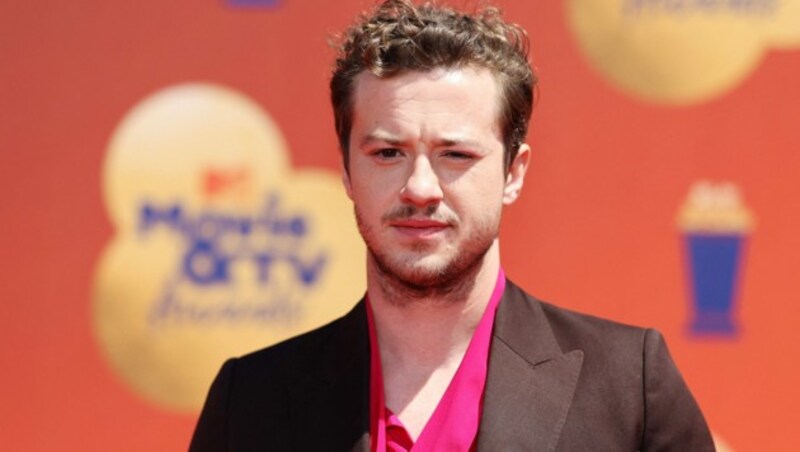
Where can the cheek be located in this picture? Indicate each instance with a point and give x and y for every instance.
(378, 183)
(370, 195)
(483, 188)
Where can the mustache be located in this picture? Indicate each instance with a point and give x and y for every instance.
(430, 212)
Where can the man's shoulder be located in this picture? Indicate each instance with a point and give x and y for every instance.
(577, 330)
(564, 320)
(267, 399)
(307, 349)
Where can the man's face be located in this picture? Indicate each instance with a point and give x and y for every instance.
(426, 172)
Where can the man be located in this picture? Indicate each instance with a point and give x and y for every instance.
(444, 353)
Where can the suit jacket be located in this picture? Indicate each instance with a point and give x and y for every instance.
(557, 380)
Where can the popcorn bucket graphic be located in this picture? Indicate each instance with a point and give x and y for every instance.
(713, 264)
(715, 226)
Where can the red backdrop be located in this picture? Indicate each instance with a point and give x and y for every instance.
(595, 230)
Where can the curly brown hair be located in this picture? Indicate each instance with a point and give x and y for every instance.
(399, 36)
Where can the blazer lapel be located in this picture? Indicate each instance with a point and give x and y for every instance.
(530, 381)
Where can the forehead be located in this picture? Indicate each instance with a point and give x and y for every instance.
(454, 100)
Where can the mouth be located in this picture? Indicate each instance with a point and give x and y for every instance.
(419, 228)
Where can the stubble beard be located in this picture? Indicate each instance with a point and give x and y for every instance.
(405, 279)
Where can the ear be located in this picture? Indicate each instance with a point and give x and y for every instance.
(346, 182)
(516, 174)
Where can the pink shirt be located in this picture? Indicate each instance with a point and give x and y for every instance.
(453, 426)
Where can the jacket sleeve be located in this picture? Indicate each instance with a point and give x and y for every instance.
(211, 432)
(672, 419)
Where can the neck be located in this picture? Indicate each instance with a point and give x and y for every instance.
(428, 329)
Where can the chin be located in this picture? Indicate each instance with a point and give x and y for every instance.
(427, 272)
(415, 269)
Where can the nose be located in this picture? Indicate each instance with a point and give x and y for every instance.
(422, 187)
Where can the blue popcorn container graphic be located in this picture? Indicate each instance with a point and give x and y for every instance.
(714, 262)
(715, 229)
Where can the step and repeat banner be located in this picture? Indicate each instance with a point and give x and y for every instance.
(173, 198)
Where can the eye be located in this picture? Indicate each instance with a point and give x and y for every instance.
(387, 153)
(457, 155)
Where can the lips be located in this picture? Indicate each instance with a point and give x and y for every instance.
(419, 228)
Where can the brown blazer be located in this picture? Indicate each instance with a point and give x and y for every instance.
(557, 380)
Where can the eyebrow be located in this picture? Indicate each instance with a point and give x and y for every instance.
(444, 142)
(381, 138)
